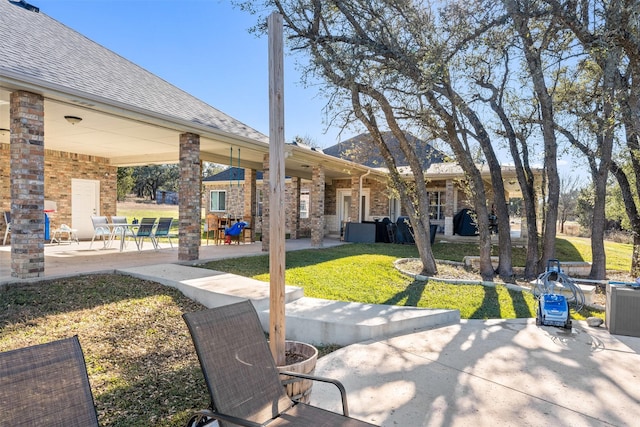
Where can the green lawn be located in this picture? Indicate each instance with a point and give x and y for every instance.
(141, 363)
(365, 273)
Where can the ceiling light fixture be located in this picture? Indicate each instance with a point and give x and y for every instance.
(73, 119)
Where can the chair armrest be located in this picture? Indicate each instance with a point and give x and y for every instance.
(199, 420)
(338, 384)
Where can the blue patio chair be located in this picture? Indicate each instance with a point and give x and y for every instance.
(163, 230)
(145, 231)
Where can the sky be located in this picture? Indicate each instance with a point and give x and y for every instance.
(203, 47)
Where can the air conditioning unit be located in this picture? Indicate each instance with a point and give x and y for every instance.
(623, 310)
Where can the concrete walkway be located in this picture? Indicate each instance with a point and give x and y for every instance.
(469, 373)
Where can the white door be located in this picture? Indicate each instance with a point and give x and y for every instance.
(85, 203)
(364, 205)
(344, 208)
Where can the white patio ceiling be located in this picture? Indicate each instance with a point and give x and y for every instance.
(129, 138)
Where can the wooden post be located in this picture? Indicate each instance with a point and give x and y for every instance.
(276, 190)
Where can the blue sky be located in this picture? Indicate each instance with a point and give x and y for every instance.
(204, 48)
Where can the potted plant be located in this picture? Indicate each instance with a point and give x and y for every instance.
(300, 358)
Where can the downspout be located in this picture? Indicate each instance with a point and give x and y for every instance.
(360, 195)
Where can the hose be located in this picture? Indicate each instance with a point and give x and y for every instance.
(554, 279)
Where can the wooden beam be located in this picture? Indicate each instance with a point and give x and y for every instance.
(276, 191)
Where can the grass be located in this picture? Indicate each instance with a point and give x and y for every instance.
(364, 273)
(147, 210)
(141, 362)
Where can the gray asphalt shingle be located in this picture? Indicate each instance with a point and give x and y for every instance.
(39, 48)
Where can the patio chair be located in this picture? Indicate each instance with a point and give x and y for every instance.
(7, 230)
(246, 231)
(163, 230)
(46, 385)
(101, 230)
(242, 377)
(212, 225)
(123, 232)
(145, 230)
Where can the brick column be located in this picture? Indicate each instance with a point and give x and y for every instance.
(250, 199)
(448, 208)
(316, 200)
(26, 115)
(292, 202)
(355, 199)
(265, 203)
(190, 198)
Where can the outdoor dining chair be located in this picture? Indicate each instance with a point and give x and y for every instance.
(7, 230)
(101, 230)
(122, 232)
(242, 377)
(212, 225)
(163, 230)
(46, 385)
(145, 230)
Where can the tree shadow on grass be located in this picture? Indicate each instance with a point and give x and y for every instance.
(490, 306)
(520, 305)
(412, 295)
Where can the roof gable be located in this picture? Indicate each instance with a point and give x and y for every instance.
(231, 174)
(40, 49)
(361, 149)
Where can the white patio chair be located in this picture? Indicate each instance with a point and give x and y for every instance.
(101, 230)
(122, 232)
(7, 230)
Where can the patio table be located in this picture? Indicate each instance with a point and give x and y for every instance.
(124, 227)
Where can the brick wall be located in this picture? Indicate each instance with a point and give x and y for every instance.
(59, 169)
(316, 206)
(27, 184)
(379, 203)
(239, 196)
(190, 200)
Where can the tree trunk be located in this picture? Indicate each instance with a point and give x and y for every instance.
(535, 65)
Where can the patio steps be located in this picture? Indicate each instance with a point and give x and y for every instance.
(312, 320)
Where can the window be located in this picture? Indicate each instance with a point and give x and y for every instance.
(218, 201)
(304, 205)
(436, 207)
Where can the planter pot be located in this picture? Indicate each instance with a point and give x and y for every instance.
(303, 361)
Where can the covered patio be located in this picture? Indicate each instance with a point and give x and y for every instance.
(67, 260)
(72, 112)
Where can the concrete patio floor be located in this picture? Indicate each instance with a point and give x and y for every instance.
(77, 258)
(472, 373)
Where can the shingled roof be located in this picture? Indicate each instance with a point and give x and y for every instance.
(37, 48)
(361, 149)
(232, 175)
